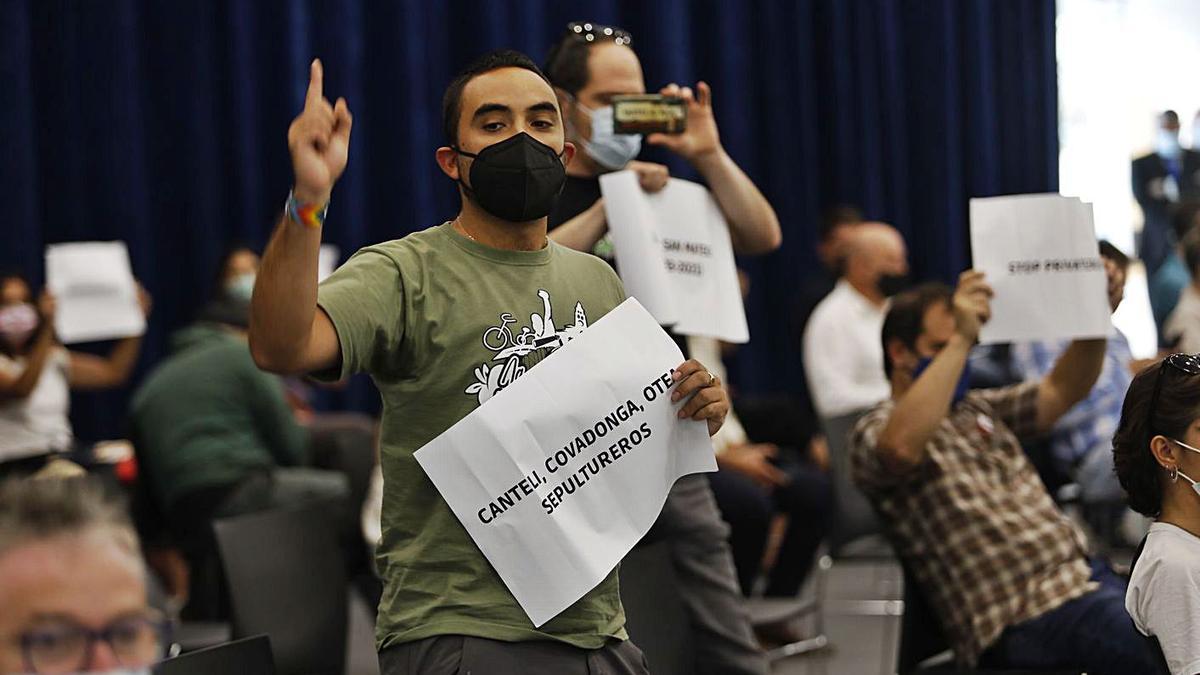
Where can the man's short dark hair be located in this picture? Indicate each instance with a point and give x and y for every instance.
(567, 62)
(38, 509)
(1107, 250)
(1169, 116)
(905, 319)
(452, 99)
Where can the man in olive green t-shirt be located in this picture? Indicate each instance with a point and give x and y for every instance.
(443, 320)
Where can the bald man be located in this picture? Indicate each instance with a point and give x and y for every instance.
(843, 359)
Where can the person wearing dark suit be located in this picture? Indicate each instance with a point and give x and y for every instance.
(1166, 176)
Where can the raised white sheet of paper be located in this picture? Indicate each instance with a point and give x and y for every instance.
(1039, 254)
(559, 475)
(95, 290)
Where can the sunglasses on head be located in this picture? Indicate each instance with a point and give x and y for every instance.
(594, 32)
(1188, 364)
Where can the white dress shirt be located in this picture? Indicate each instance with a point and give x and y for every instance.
(843, 356)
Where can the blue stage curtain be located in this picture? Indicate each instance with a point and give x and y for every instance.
(163, 124)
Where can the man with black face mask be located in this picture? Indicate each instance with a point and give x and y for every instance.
(443, 320)
(842, 359)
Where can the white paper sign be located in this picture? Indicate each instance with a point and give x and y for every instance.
(562, 472)
(1040, 255)
(675, 255)
(634, 231)
(95, 290)
(327, 261)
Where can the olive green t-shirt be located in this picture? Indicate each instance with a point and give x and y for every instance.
(442, 323)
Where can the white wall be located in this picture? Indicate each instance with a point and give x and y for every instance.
(1120, 62)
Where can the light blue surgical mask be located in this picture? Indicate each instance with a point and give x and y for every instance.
(1166, 144)
(609, 150)
(241, 287)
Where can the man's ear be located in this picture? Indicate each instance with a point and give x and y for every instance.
(900, 356)
(568, 152)
(1164, 452)
(447, 160)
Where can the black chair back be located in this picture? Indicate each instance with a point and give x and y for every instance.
(655, 617)
(248, 656)
(854, 517)
(287, 579)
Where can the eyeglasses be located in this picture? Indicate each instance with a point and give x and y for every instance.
(592, 32)
(67, 647)
(1188, 364)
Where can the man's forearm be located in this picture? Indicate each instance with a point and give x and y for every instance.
(921, 409)
(753, 225)
(285, 295)
(584, 230)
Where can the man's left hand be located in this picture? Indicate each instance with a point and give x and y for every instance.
(700, 138)
(709, 402)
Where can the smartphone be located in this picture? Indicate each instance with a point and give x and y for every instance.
(648, 114)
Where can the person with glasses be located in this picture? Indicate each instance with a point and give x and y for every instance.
(1005, 571)
(72, 583)
(1156, 451)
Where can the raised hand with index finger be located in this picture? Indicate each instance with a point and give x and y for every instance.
(319, 141)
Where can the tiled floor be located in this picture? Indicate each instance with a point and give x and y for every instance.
(860, 622)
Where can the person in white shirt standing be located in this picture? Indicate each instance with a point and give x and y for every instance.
(1156, 451)
(843, 358)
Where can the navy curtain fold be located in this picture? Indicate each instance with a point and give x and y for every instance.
(164, 124)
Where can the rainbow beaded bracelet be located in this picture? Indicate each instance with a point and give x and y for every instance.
(308, 215)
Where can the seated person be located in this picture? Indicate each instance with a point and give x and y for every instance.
(842, 359)
(1155, 452)
(215, 438)
(1080, 444)
(72, 583)
(1005, 571)
(1181, 331)
(37, 375)
(1167, 284)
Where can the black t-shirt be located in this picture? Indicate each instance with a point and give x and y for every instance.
(577, 196)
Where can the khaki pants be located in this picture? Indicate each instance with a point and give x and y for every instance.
(458, 654)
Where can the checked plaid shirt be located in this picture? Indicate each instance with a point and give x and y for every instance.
(973, 521)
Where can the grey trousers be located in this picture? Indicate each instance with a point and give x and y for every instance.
(463, 655)
(698, 538)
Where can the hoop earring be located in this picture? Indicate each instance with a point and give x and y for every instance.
(1174, 473)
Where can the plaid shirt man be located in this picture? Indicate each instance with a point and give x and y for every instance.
(973, 521)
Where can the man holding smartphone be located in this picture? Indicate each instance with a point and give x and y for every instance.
(589, 67)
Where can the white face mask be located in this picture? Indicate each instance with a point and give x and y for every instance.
(609, 150)
(241, 287)
(1195, 485)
